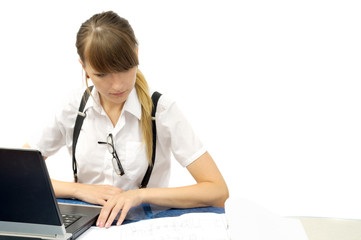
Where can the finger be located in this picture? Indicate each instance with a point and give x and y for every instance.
(101, 202)
(110, 187)
(119, 190)
(116, 190)
(113, 214)
(123, 214)
(103, 216)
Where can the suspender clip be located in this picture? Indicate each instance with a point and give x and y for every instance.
(83, 114)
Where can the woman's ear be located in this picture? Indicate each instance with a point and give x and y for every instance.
(82, 64)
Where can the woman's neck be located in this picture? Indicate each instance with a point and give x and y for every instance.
(112, 110)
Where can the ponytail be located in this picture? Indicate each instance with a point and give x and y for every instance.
(145, 100)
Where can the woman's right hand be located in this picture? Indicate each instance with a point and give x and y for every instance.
(95, 194)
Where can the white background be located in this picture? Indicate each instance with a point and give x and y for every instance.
(271, 87)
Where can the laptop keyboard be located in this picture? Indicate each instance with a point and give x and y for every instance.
(69, 219)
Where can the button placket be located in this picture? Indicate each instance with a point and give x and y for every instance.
(111, 174)
(108, 165)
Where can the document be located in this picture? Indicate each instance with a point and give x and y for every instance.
(190, 226)
(243, 219)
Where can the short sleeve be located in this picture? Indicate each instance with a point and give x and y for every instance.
(175, 131)
(58, 130)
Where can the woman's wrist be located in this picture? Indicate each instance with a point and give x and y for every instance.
(143, 194)
(75, 190)
(64, 189)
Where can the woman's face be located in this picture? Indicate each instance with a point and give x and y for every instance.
(114, 88)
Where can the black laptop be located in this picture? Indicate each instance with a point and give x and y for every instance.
(28, 207)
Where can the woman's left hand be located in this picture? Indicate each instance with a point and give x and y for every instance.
(120, 202)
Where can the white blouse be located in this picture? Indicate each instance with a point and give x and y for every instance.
(174, 135)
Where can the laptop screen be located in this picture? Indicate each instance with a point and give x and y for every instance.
(26, 192)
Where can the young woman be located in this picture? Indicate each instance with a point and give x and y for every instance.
(115, 145)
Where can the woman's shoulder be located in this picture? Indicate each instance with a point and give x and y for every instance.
(74, 97)
(164, 101)
(71, 102)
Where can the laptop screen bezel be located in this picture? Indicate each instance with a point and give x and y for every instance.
(20, 226)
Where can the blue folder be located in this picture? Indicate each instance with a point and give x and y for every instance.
(149, 211)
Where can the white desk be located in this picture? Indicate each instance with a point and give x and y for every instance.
(257, 223)
(331, 229)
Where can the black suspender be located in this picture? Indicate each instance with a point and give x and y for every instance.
(79, 122)
(155, 98)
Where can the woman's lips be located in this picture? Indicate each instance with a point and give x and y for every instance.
(117, 94)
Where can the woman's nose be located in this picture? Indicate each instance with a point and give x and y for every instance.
(116, 80)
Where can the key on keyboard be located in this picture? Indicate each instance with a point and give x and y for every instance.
(69, 219)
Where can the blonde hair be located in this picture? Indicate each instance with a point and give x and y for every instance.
(107, 42)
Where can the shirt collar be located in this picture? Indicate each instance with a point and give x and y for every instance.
(93, 101)
(131, 105)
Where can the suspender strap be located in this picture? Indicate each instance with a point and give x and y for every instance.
(155, 98)
(77, 127)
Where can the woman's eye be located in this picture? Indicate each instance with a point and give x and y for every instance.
(100, 74)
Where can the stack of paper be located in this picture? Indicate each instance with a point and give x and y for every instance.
(190, 226)
(243, 220)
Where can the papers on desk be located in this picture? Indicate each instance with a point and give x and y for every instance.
(195, 226)
(190, 226)
(243, 220)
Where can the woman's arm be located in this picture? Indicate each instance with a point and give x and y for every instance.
(210, 190)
